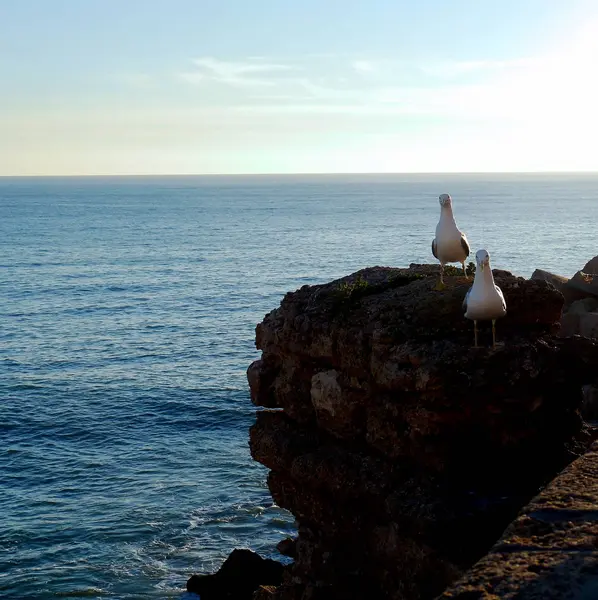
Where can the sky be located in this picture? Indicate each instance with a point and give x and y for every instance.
(91, 87)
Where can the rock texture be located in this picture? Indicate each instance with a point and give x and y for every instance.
(589, 407)
(239, 577)
(551, 551)
(591, 266)
(581, 318)
(580, 311)
(402, 451)
(584, 284)
(560, 283)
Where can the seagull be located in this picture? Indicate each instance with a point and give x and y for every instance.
(484, 300)
(450, 244)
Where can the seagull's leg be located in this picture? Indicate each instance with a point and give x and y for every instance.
(494, 333)
(464, 270)
(440, 284)
(475, 334)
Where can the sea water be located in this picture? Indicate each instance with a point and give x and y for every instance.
(127, 316)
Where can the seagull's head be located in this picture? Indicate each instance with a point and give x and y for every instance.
(445, 200)
(482, 259)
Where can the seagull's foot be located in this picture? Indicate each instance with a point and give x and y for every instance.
(440, 285)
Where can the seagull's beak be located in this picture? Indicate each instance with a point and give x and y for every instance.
(482, 267)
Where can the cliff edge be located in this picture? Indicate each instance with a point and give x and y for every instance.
(402, 451)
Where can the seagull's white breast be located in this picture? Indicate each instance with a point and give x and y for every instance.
(448, 242)
(485, 302)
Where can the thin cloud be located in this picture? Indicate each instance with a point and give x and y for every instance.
(450, 69)
(507, 90)
(250, 72)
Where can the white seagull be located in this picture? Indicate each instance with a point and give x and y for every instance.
(484, 301)
(450, 244)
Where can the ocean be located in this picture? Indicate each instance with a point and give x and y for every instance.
(127, 316)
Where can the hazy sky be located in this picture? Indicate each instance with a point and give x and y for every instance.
(265, 86)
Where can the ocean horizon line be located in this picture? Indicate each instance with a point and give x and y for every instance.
(297, 174)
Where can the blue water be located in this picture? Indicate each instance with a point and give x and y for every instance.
(127, 315)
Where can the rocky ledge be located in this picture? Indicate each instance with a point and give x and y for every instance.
(402, 451)
(550, 551)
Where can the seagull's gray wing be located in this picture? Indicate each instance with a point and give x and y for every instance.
(465, 245)
(464, 305)
(502, 297)
(434, 248)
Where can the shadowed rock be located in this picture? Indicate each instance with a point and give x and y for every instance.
(287, 547)
(238, 578)
(589, 408)
(560, 283)
(584, 283)
(550, 551)
(402, 451)
(591, 266)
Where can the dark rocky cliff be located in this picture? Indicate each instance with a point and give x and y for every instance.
(402, 451)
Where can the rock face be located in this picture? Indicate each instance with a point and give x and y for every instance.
(589, 407)
(402, 451)
(591, 266)
(239, 577)
(581, 318)
(584, 283)
(550, 551)
(560, 283)
(580, 311)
